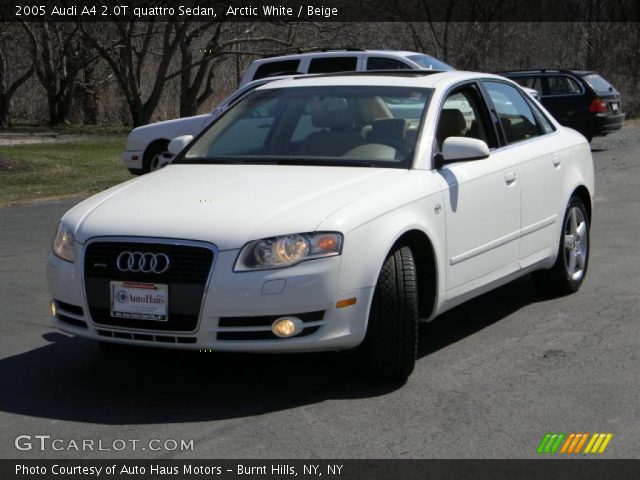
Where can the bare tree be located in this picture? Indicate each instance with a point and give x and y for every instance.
(136, 51)
(58, 58)
(196, 76)
(12, 74)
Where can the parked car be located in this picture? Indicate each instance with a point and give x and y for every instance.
(327, 213)
(146, 149)
(346, 60)
(579, 99)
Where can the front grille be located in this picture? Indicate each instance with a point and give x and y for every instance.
(146, 337)
(186, 277)
(188, 264)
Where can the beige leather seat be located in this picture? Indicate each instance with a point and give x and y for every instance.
(388, 129)
(334, 115)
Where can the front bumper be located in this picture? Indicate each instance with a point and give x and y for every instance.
(133, 159)
(236, 311)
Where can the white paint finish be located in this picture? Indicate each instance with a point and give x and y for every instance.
(483, 216)
(541, 188)
(463, 148)
(488, 221)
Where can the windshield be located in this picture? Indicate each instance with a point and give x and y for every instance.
(337, 125)
(430, 63)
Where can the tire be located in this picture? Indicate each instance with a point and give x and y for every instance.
(391, 342)
(569, 271)
(152, 159)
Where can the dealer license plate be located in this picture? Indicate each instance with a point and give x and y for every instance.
(140, 301)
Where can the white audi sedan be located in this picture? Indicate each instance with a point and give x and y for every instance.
(331, 213)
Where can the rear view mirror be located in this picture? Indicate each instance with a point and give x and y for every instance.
(458, 149)
(177, 144)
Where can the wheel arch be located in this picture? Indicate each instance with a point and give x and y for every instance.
(583, 194)
(154, 143)
(426, 268)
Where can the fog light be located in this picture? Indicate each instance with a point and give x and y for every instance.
(54, 311)
(286, 327)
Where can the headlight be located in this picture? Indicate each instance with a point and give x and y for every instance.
(62, 245)
(287, 250)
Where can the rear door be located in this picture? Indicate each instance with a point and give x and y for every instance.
(565, 98)
(531, 139)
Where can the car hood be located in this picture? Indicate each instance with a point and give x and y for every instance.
(168, 130)
(227, 205)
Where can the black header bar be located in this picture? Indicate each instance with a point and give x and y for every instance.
(322, 11)
(312, 469)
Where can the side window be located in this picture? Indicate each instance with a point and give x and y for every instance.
(270, 69)
(380, 63)
(333, 64)
(563, 85)
(517, 120)
(544, 122)
(461, 116)
(529, 82)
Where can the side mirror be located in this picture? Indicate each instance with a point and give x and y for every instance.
(177, 144)
(458, 149)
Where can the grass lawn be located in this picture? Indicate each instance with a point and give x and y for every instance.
(40, 171)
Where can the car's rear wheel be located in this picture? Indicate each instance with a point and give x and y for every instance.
(390, 345)
(154, 156)
(570, 269)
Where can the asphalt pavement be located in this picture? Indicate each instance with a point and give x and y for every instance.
(494, 375)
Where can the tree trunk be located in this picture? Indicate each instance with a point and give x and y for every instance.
(5, 121)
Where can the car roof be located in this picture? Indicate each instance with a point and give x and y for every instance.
(545, 70)
(340, 52)
(401, 78)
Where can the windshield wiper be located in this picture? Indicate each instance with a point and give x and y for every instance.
(323, 162)
(266, 160)
(220, 161)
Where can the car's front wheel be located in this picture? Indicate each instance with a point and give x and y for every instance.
(154, 158)
(570, 269)
(390, 345)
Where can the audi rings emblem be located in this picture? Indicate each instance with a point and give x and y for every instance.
(142, 262)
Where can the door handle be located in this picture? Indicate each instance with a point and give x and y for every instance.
(510, 177)
(557, 161)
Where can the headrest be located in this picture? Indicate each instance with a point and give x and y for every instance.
(391, 128)
(331, 112)
(452, 123)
